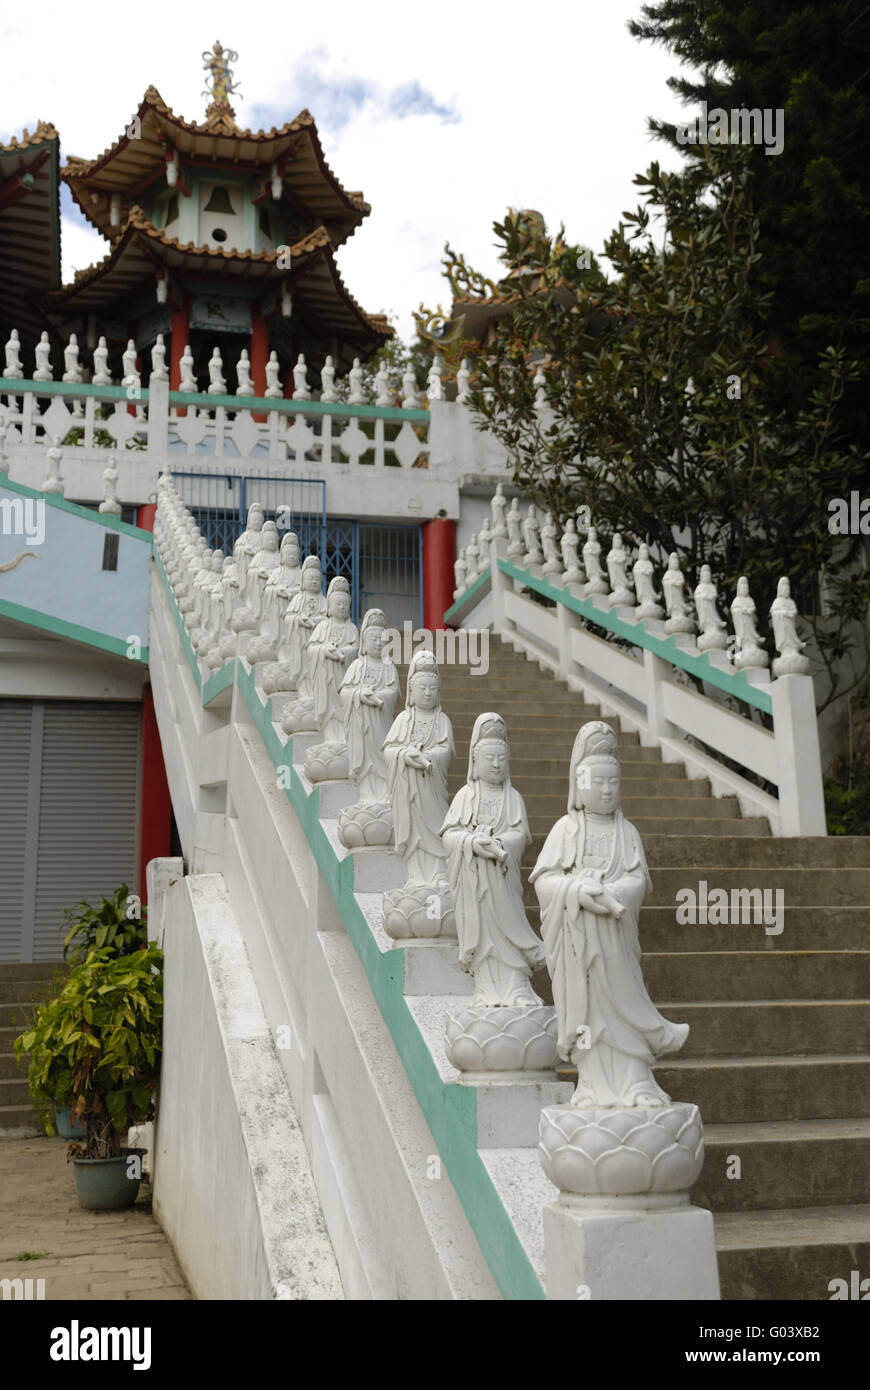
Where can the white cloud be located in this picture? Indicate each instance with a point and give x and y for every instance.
(441, 117)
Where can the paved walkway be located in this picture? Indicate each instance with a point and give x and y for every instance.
(82, 1254)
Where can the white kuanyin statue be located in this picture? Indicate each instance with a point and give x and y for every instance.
(484, 834)
(591, 878)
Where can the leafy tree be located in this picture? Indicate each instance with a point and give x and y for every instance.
(667, 413)
(396, 355)
(811, 60)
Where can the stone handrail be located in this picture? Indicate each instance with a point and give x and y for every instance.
(224, 744)
(647, 686)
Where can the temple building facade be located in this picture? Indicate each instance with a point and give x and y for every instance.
(217, 237)
(215, 339)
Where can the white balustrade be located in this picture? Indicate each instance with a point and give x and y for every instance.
(648, 687)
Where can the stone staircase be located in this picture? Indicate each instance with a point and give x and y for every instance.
(778, 1057)
(21, 988)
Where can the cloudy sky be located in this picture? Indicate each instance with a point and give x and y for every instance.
(442, 115)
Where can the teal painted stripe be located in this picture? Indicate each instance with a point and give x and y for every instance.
(70, 388)
(481, 582)
(218, 681)
(449, 1110)
(59, 627)
(107, 519)
(284, 405)
(737, 684)
(289, 406)
(186, 644)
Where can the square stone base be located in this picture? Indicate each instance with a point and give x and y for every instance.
(617, 1252)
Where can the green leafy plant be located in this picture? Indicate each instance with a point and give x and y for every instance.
(96, 1047)
(106, 925)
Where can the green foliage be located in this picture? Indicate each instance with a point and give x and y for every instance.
(669, 415)
(847, 807)
(102, 438)
(96, 1047)
(396, 355)
(811, 60)
(106, 925)
(847, 789)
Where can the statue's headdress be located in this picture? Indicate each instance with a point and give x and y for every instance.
(421, 661)
(596, 742)
(373, 617)
(486, 726)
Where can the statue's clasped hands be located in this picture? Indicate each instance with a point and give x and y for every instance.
(489, 846)
(368, 697)
(415, 757)
(333, 652)
(590, 895)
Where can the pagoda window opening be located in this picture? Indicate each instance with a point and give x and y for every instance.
(219, 201)
(171, 210)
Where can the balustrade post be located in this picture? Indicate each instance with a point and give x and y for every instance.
(796, 731)
(158, 420)
(498, 583)
(657, 673)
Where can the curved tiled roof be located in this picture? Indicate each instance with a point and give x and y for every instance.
(133, 162)
(29, 229)
(142, 247)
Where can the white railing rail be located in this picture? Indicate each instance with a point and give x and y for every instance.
(643, 677)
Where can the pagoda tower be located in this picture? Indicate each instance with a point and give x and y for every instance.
(217, 236)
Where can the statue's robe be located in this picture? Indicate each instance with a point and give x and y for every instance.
(419, 799)
(296, 635)
(325, 675)
(594, 963)
(281, 587)
(366, 726)
(496, 943)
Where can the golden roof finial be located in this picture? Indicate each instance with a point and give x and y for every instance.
(219, 85)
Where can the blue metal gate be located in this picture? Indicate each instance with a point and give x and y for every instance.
(382, 561)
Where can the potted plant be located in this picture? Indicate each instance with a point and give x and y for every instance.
(96, 1048)
(110, 924)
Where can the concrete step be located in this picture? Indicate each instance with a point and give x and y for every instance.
(28, 970)
(17, 1015)
(733, 1089)
(19, 1122)
(10, 1068)
(529, 769)
(782, 1027)
(804, 929)
(801, 887)
(797, 1163)
(791, 1254)
(517, 708)
(27, 990)
(804, 852)
(688, 976)
(529, 725)
(15, 1092)
(640, 805)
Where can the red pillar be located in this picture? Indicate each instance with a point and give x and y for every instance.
(145, 516)
(180, 331)
(259, 355)
(179, 336)
(155, 811)
(439, 553)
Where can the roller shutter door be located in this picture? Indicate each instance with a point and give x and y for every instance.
(81, 796)
(16, 718)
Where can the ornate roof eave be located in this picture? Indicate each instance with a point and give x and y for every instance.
(30, 227)
(216, 139)
(156, 250)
